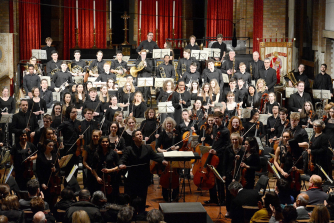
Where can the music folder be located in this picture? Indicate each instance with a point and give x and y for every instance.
(246, 113)
(145, 82)
(264, 118)
(321, 94)
(64, 160)
(69, 177)
(6, 118)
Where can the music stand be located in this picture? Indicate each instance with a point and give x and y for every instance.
(225, 78)
(166, 107)
(121, 81)
(199, 54)
(213, 52)
(145, 82)
(160, 53)
(289, 91)
(264, 118)
(6, 118)
(321, 94)
(221, 181)
(159, 82)
(99, 84)
(309, 132)
(246, 113)
(39, 54)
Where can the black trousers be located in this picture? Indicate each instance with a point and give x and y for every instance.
(137, 191)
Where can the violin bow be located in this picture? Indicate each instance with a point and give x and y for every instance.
(178, 142)
(77, 140)
(248, 130)
(116, 144)
(30, 113)
(29, 156)
(236, 173)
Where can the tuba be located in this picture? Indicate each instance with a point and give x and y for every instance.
(134, 70)
(291, 77)
(162, 72)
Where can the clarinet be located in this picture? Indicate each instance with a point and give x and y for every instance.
(181, 102)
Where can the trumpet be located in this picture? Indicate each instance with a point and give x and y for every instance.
(55, 71)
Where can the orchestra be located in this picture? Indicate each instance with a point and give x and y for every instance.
(118, 134)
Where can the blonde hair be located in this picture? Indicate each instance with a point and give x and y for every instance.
(236, 134)
(101, 95)
(264, 85)
(132, 87)
(295, 116)
(168, 119)
(80, 216)
(217, 89)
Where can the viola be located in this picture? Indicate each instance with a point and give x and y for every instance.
(106, 187)
(204, 178)
(55, 184)
(310, 118)
(28, 168)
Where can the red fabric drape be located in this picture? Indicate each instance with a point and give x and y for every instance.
(30, 27)
(218, 14)
(165, 19)
(86, 25)
(69, 27)
(257, 24)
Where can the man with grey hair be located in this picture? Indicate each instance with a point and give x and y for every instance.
(248, 197)
(39, 217)
(300, 205)
(268, 75)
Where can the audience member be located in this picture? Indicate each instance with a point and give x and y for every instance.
(249, 197)
(110, 215)
(3, 219)
(67, 199)
(80, 216)
(4, 191)
(83, 204)
(10, 207)
(315, 193)
(37, 204)
(138, 215)
(265, 211)
(330, 205)
(320, 214)
(99, 199)
(300, 205)
(155, 216)
(33, 191)
(125, 215)
(39, 217)
(289, 215)
(283, 191)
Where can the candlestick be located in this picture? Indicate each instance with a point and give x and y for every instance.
(76, 14)
(125, 17)
(110, 39)
(156, 35)
(173, 14)
(94, 47)
(110, 19)
(76, 38)
(139, 36)
(156, 13)
(94, 14)
(139, 15)
(173, 35)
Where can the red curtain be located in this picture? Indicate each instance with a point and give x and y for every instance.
(165, 19)
(69, 27)
(86, 25)
(30, 27)
(219, 18)
(257, 24)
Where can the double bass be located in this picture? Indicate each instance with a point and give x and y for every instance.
(204, 178)
(198, 163)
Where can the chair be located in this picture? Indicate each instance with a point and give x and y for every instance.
(60, 214)
(262, 183)
(304, 178)
(264, 167)
(249, 211)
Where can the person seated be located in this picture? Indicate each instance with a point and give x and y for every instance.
(67, 199)
(106, 74)
(330, 205)
(10, 207)
(93, 103)
(112, 210)
(125, 214)
(165, 69)
(320, 214)
(192, 76)
(80, 216)
(36, 205)
(265, 212)
(315, 193)
(99, 199)
(96, 67)
(77, 62)
(137, 214)
(83, 204)
(232, 88)
(154, 216)
(299, 76)
(261, 87)
(298, 99)
(271, 103)
(301, 202)
(39, 217)
(282, 190)
(4, 191)
(289, 215)
(249, 197)
(33, 191)
(307, 115)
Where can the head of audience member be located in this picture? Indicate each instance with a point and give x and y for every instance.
(234, 188)
(231, 54)
(39, 217)
(266, 63)
(123, 199)
(48, 41)
(315, 181)
(256, 56)
(289, 214)
(33, 188)
(11, 202)
(77, 55)
(192, 40)
(302, 200)
(283, 189)
(143, 55)
(186, 53)
(125, 214)
(155, 216)
(99, 55)
(323, 68)
(84, 195)
(320, 214)
(149, 36)
(4, 190)
(3, 219)
(37, 204)
(67, 194)
(54, 55)
(271, 198)
(80, 216)
(99, 199)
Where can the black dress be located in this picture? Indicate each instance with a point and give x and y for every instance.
(148, 128)
(110, 113)
(230, 113)
(319, 149)
(253, 161)
(40, 106)
(138, 110)
(90, 181)
(185, 96)
(77, 103)
(252, 127)
(9, 104)
(124, 98)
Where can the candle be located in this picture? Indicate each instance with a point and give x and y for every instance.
(94, 12)
(76, 14)
(140, 15)
(156, 12)
(110, 8)
(173, 14)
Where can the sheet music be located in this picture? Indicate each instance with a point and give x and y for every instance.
(226, 79)
(246, 113)
(121, 81)
(212, 52)
(6, 118)
(264, 118)
(199, 54)
(309, 132)
(39, 54)
(69, 177)
(289, 91)
(166, 107)
(179, 154)
(321, 94)
(160, 53)
(99, 84)
(145, 82)
(64, 160)
(159, 82)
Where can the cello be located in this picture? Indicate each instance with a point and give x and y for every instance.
(198, 163)
(310, 164)
(204, 178)
(106, 187)
(155, 167)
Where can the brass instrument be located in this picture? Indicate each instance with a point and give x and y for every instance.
(233, 67)
(76, 69)
(251, 70)
(54, 71)
(95, 70)
(134, 70)
(292, 78)
(37, 68)
(118, 76)
(218, 64)
(162, 72)
(184, 68)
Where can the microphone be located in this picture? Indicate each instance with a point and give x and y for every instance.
(234, 38)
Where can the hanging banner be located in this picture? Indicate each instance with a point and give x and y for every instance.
(6, 55)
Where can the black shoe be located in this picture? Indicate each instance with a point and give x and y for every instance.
(221, 203)
(210, 202)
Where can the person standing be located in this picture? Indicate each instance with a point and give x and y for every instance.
(268, 75)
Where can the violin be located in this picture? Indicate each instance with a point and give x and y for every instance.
(204, 178)
(310, 164)
(171, 95)
(295, 183)
(55, 183)
(106, 187)
(278, 142)
(310, 118)
(186, 137)
(324, 118)
(28, 168)
(264, 101)
(80, 144)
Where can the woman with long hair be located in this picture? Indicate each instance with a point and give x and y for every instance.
(199, 111)
(215, 91)
(261, 87)
(149, 125)
(252, 126)
(251, 162)
(235, 125)
(104, 98)
(206, 131)
(194, 90)
(117, 142)
(87, 159)
(139, 106)
(119, 118)
(251, 99)
(112, 87)
(307, 110)
(231, 106)
(126, 96)
(56, 115)
(79, 97)
(105, 165)
(67, 101)
(48, 134)
(37, 104)
(167, 90)
(320, 214)
(205, 96)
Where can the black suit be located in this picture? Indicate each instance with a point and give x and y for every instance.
(270, 77)
(256, 67)
(92, 211)
(248, 197)
(296, 102)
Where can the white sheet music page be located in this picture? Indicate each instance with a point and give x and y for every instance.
(179, 154)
